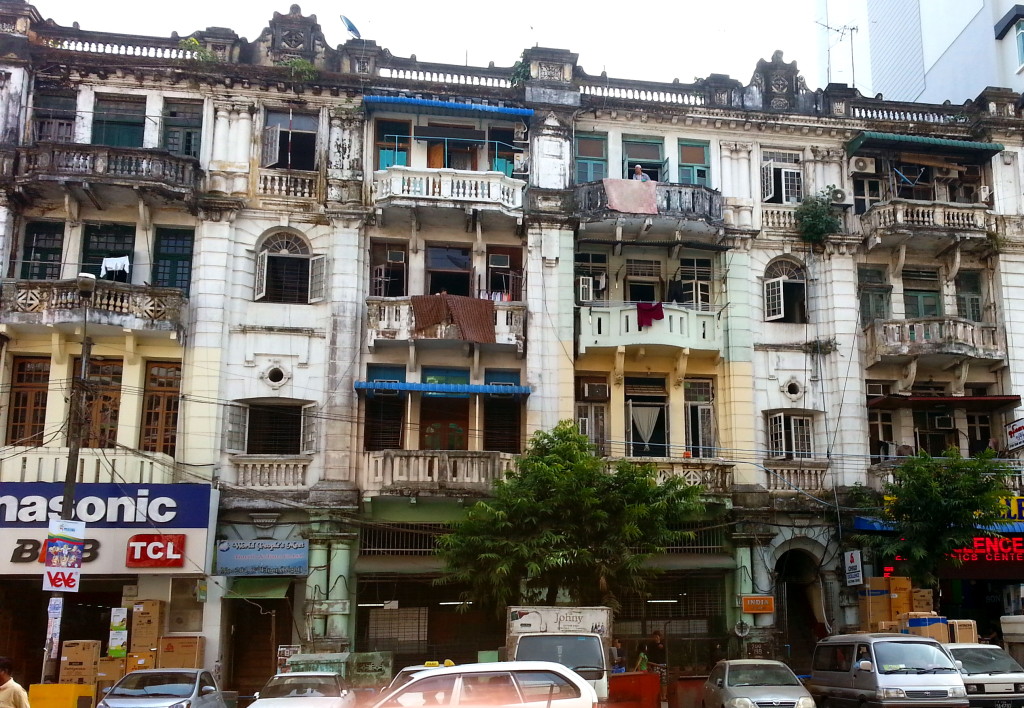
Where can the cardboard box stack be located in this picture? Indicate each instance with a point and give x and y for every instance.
(147, 626)
(963, 631)
(874, 603)
(181, 652)
(140, 660)
(78, 661)
(925, 624)
(900, 596)
(109, 670)
(921, 600)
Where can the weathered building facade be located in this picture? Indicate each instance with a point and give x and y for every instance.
(343, 288)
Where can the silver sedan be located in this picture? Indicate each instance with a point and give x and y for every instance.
(754, 683)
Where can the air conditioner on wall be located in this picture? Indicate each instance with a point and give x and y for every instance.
(502, 395)
(943, 422)
(863, 164)
(386, 391)
(396, 256)
(595, 391)
(498, 260)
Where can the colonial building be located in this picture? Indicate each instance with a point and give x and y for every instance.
(339, 290)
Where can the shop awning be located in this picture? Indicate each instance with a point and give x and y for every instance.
(441, 388)
(867, 523)
(920, 143)
(973, 404)
(407, 104)
(258, 588)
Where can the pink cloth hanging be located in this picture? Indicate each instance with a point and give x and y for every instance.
(647, 312)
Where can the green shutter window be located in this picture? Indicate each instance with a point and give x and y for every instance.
(172, 267)
(44, 244)
(591, 158)
(119, 121)
(183, 127)
(694, 164)
(107, 241)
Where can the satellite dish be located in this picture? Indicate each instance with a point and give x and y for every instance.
(741, 629)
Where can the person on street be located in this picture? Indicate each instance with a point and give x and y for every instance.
(12, 695)
(657, 661)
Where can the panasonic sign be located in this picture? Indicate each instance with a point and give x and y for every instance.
(34, 504)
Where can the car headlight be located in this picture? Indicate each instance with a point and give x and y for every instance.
(182, 704)
(957, 692)
(805, 702)
(740, 702)
(102, 704)
(973, 688)
(885, 693)
(1018, 688)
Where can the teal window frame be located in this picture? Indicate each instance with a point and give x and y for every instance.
(659, 164)
(696, 173)
(445, 375)
(183, 128)
(920, 299)
(392, 146)
(590, 168)
(106, 241)
(1019, 31)
(118, 121)
(969, 303)
(44, 249)
(172, 258)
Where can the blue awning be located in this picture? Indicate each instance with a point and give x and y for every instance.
(866, 523)
(406, 102)
(440, 388)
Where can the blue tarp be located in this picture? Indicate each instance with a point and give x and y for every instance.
(866, 523)
(452, 105)
(440, 388)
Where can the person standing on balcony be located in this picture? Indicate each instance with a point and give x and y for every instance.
(638, 174)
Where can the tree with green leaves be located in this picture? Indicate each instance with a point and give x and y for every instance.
(564, 525)
(937, 505)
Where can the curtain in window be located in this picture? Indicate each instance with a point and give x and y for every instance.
(645, 418)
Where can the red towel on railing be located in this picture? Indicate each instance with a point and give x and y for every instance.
(647, 312)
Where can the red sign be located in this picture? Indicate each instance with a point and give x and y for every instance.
(156, 550)
(998, 549)
(758, 604)
(56, 580)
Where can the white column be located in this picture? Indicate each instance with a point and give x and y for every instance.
(154, 120)
(221, 134)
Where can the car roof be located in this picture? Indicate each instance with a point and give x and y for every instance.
(163, 671)
(752, 662)
(875, 637)
(306, 673)
(973, 645)
(499, 666)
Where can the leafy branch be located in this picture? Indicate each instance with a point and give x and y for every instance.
(816, 218)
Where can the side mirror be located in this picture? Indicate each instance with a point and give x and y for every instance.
(959, 664)
(207, 690)
(718, 682)
(256, 695)
(864, 665)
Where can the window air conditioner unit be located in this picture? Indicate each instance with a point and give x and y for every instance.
(386, 391)
(946, 173)
(584, 288)
(595, 391)
(984, 193)
(498, 260)
(863, 164)
(396, 256)
(502, 395)
(943, 422)
(878, 389)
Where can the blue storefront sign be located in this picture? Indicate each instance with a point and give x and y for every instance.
(262, 557)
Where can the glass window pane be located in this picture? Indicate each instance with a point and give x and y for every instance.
(693, 154)
(642, 151)
(590, 147)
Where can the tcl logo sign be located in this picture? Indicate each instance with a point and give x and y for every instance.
(156, 550)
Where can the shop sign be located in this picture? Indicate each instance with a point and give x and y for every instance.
(152, 528)
(854, 569)
(1015, 434)
(63, 556)
(999, 549)
(262, 557)
(758, 604)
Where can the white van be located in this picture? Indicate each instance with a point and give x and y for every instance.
(992, 677)
(884, 671)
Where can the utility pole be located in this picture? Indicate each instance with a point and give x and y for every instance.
(76, 425)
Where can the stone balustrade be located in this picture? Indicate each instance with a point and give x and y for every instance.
(270, 471)
(107, 466)
(910, 214)
(796, 476)
(462, 187)
(935, 335)
(688, 201)
(614, 324)
(137, 166)
(454, 469)
(289, 184)
(391, 319)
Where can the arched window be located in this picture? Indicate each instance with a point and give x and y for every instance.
(785, 296)
(286, 272)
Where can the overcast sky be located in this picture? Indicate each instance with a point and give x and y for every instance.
(657, 41)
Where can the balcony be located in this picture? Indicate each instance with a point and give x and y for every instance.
(693, 209)
(715, 476)
(935, 340)
(289, 187)
(797, 476)
(448, 188)
(611, 325)
(927, 227)
(432, 470)
(39, 305)
(107, 176)
(270, 471)
(107, 466)
(391, 319)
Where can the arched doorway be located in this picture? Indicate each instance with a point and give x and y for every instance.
(800, 606)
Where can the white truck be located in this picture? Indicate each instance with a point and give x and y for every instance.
(577, 637)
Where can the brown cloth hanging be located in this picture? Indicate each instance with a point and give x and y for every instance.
(473, 316)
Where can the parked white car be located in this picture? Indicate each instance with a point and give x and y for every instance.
(305, 689)
(747, 683)
(992, 677)
(164, 688)
(541, 684)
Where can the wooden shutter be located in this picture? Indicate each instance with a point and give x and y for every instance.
(260, 291)
(309, 429)
(271, 148)
(774, 306)
(236, 424)
(777, 436)
(767, 181)
(317, 278)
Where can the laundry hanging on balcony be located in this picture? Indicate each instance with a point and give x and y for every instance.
(645, 418)
(647, 312)
(121, 265)
(473, 316)
(631, 196)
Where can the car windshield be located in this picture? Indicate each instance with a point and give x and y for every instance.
(766, 675)
(912, 658)
(571, 651)
(308, 686)
(986, 660)
(167, 684)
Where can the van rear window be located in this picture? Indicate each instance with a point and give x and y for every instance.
(833, 657)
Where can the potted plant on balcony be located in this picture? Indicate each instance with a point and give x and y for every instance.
(817, 218)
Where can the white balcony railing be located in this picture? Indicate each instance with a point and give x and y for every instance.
(795, 476)
(615, 324)
(935, 335)
(391, 319)
(270, 471)
(714, 476)
(108, 466)
(288, 184)
(481, 189)
(778, 217)
(908, 213)
(458, 469)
